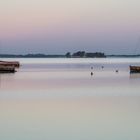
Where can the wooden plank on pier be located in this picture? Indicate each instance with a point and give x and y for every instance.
(8, 63)
(7, 69)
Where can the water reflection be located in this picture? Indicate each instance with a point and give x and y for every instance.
(75, 79)
(0, 81)
(63, 102)
(5, 78)
(134, 75)
(88, 118)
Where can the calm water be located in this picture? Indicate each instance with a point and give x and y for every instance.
(58, 99)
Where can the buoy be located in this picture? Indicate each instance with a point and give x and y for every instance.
(91, 73)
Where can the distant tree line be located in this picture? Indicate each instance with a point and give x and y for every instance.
(83, 54)
(30, 56)
(79, 54)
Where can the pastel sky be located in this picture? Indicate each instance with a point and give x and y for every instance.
(58, 26)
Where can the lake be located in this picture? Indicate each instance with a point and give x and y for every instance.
(59, 99)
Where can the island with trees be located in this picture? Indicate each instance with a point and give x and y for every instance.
(78, 54)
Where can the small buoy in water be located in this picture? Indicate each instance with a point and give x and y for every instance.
(117, 71)
(102, 67)
(91, 67)
(91, 73)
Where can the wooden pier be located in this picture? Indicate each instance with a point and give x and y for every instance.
(9, 67)
(134, 69)
(10, 63)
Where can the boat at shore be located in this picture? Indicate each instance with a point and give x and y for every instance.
(134, 69)
(10, 63)
(7, 69)
(8, 66)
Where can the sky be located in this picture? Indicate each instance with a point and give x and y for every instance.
(59, 26)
